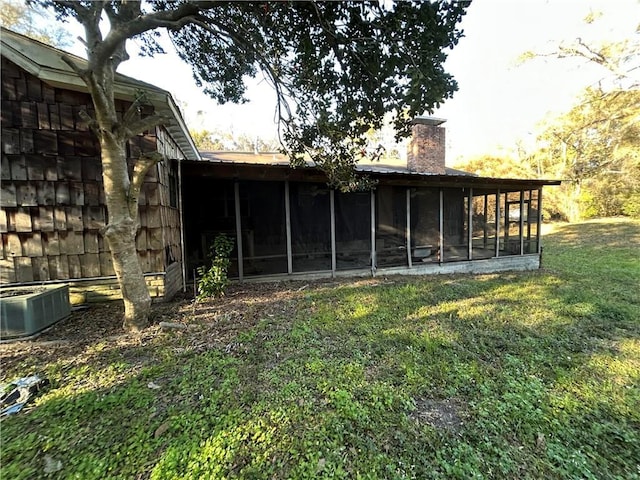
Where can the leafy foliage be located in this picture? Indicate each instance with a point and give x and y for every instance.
(336, 67)
(28, 20)
(594, 146)
(214, 280)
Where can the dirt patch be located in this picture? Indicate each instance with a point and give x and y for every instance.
(446, 414)
(98, 327)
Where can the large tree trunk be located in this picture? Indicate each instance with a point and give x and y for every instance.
(120, 232)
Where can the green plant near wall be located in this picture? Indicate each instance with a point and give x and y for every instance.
(214, 280)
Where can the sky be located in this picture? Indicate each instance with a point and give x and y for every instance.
(500, 101)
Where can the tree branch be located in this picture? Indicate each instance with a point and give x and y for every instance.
(133, 128)
(123, 30)
(143, 164)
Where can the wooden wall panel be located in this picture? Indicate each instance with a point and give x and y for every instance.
(8, 195)
(51, 243)
(26, 141)
(46, 193)
(50, 168)
(27, 195)
(10, 141)
(106, 264)
(91, 243)
(20, 220)
(32, 245)
(71, 243)
(53, 202)
(60, 218)
(43, 116)
(18, 164)
(75, 269)
(40, 266)
(90, 264)
(13, 245)
(5, 167)
(54, 116)
(74, 219)
(60, 265)
(24, 270)
(93, 217)
(62, 193)
(43, 221)
(35, 167)
(7, 270)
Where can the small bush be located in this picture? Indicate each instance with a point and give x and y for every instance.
(631, 206)
(213, 280)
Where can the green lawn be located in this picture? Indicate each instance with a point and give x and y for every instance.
(520, 375)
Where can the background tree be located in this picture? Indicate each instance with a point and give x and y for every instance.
(336, 68)
(30, 20)
(595, 147)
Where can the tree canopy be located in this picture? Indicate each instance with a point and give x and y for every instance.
(336, 67)
(594, 147)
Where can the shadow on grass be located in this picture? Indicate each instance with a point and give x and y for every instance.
(324, 383)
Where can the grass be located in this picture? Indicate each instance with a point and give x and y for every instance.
(520, 375)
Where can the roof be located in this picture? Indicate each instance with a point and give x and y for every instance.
(396, 171)
(45, 62)
(276, 158)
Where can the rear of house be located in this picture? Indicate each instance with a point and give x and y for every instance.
(419, 218)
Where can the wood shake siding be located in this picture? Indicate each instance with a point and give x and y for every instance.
(51, 194)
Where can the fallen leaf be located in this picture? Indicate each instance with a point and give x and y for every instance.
(161, 429)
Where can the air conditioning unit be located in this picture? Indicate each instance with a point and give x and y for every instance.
(25, 311)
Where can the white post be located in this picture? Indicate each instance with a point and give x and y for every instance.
(287, 215)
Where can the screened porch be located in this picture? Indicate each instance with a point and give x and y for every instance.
(298, 226)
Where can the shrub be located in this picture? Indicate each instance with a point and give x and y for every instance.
(213, 280)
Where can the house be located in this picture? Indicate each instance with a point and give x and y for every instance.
(420, 218)
(52, 200)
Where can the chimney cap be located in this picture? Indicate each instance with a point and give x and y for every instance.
(433, 121)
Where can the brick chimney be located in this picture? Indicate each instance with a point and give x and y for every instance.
(425, 152)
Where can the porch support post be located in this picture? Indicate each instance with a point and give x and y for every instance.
(521, 222)
(236, 194)
(332, 203)
(287, 216)
(538, 231)
(498, 223)
(507, 210)
(441, 227)
(470, 225)
(182, 239)
(373, 233)
(408, 228)
(485, 233)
